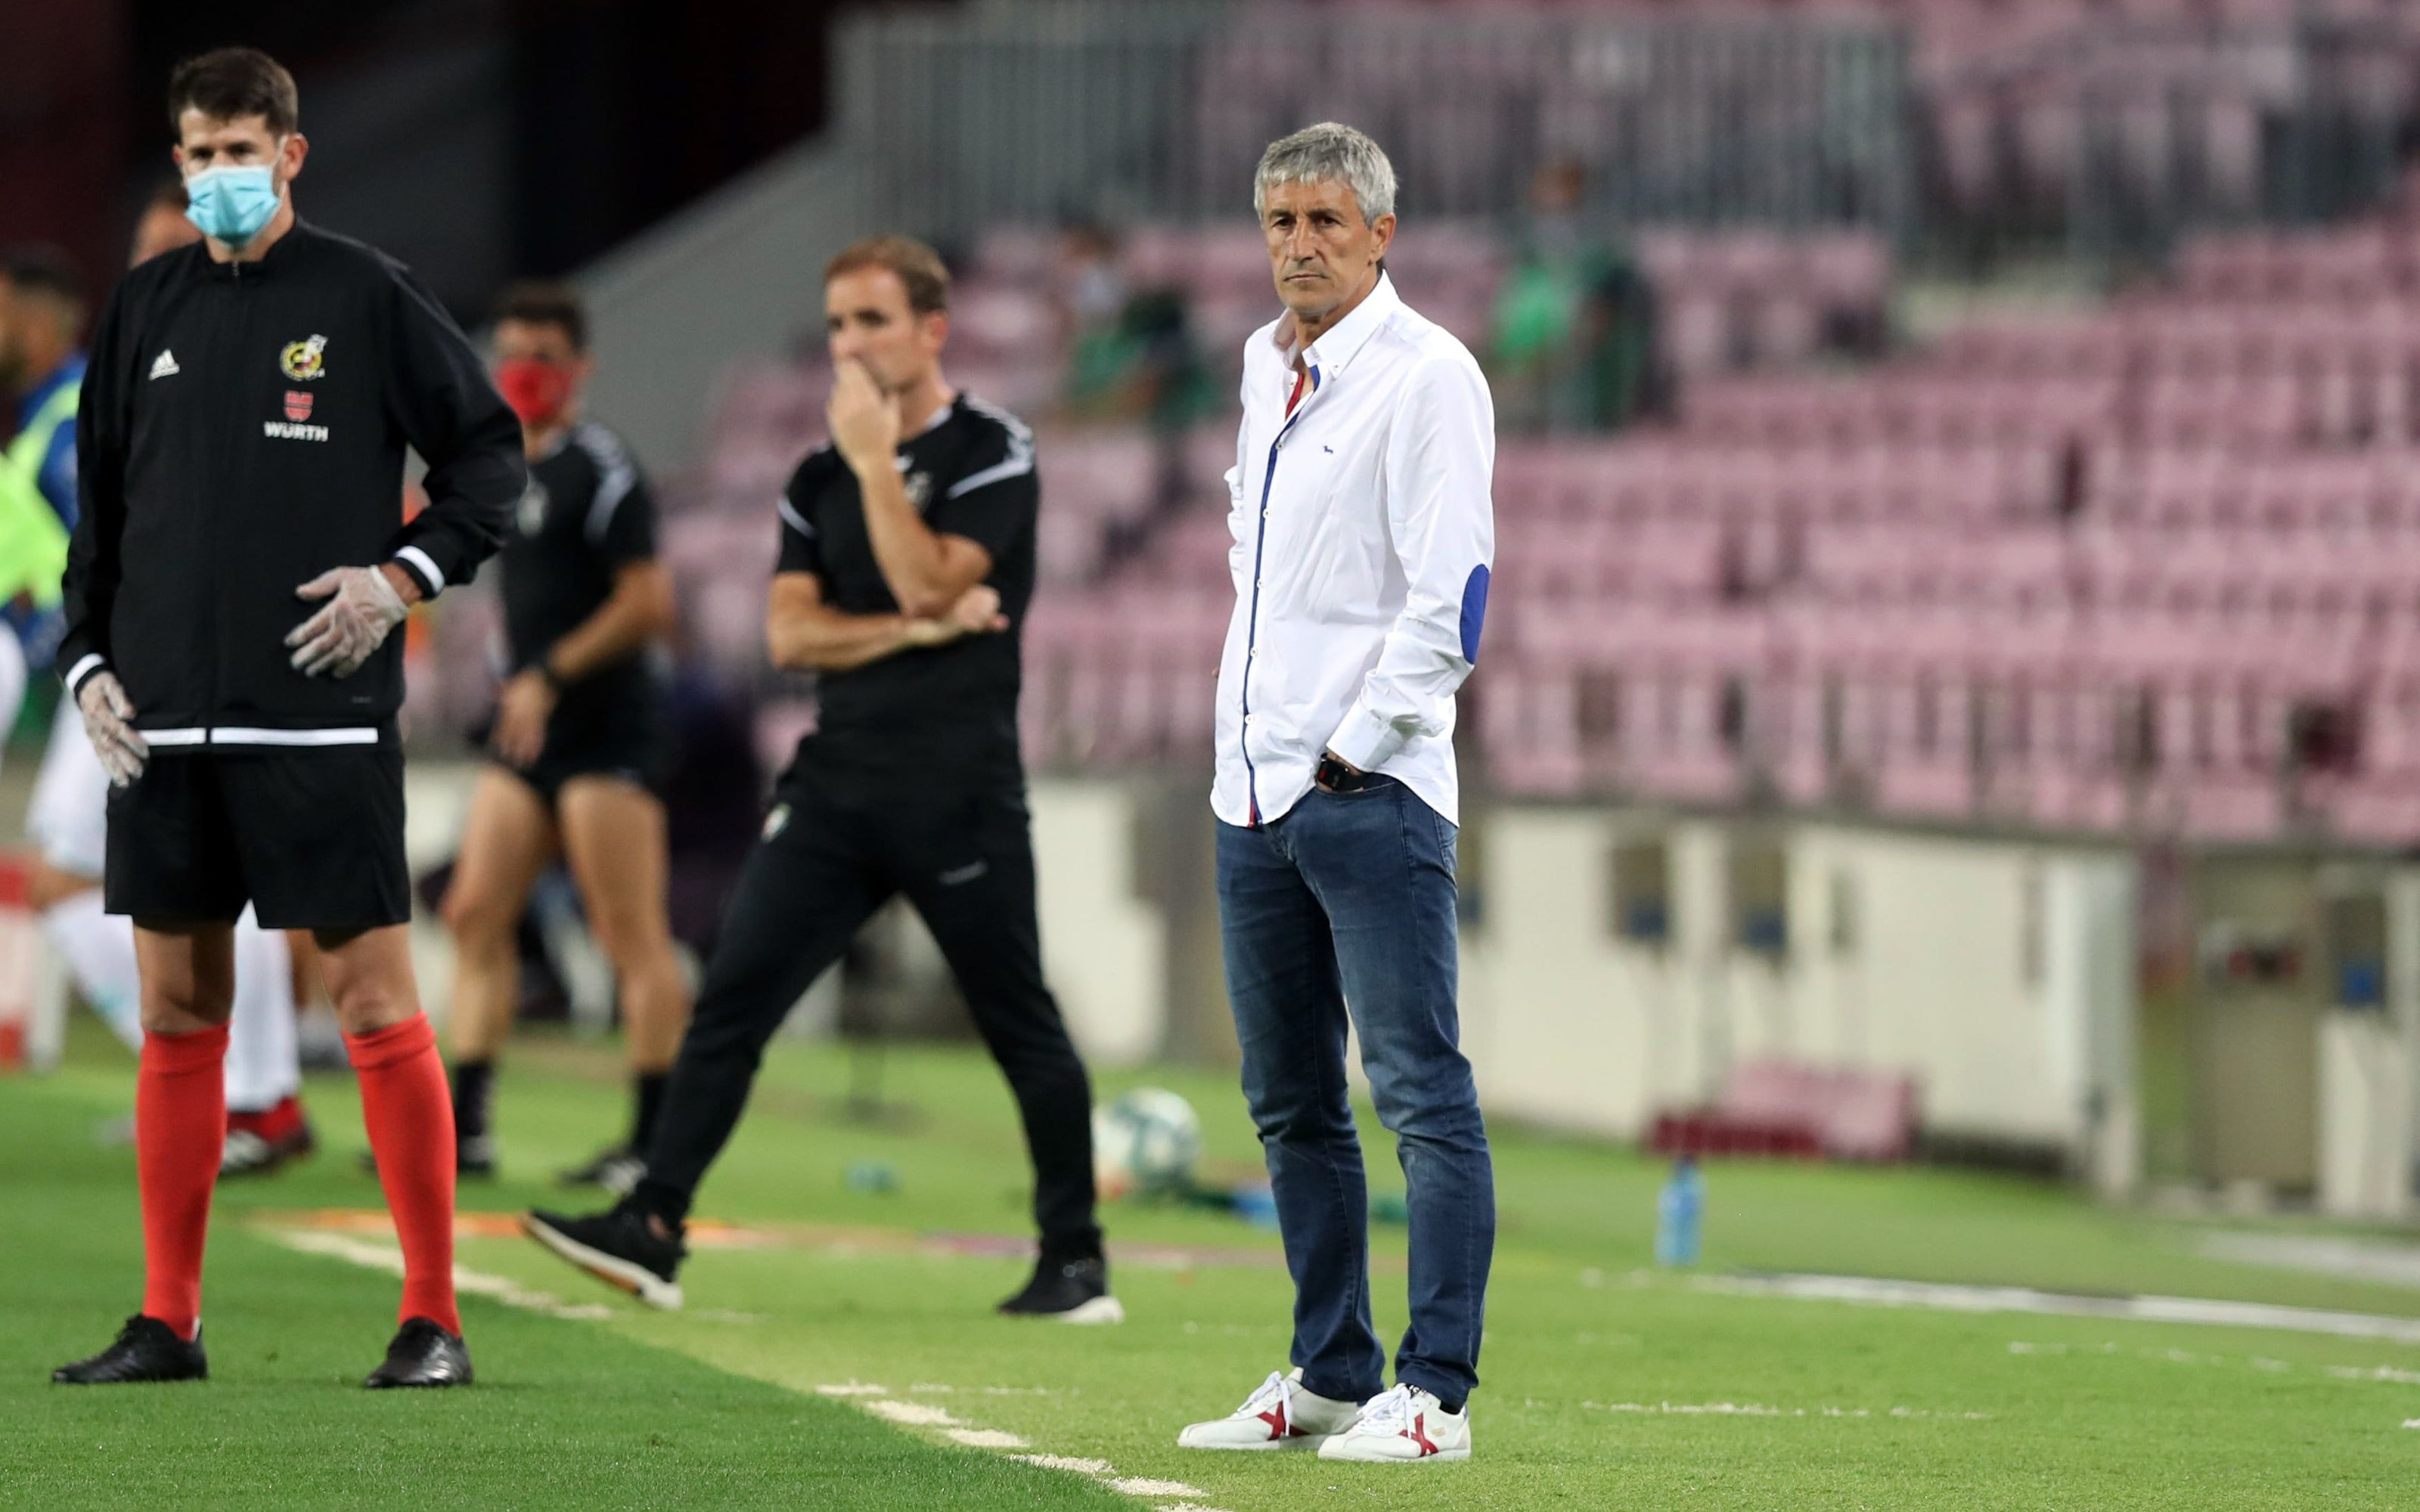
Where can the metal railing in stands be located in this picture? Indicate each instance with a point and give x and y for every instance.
(1024, 111)
(2105, 140)
(2110, 141)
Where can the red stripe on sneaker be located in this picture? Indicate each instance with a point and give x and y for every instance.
(1419, 1433)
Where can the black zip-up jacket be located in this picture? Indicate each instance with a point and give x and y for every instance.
(241, 431)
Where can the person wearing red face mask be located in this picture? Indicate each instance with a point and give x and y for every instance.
(582, 742)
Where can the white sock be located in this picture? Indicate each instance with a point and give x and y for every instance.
(99, 949)
(263, 1067)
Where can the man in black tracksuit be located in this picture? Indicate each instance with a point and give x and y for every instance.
(233, 579)
(907, 558)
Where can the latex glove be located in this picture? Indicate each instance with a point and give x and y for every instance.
(363, 607)
(109, 724)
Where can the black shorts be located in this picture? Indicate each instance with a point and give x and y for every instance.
(635, 747)
(311, 839)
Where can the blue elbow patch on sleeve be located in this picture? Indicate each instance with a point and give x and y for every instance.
(1474, 612)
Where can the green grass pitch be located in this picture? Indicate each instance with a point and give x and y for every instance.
(1605, 1385)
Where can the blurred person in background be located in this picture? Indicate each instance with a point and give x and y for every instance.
(163, 225)
(41, 374)
(1131, 359)
(1131, 356)
(1364, 531)
(582, 741)
(1573, 338)
(230, 642)
(1087, 285)
(67, 821)
(907, 565)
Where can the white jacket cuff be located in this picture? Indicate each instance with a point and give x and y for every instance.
(423, 568)
(91, 663)
(1366, 740)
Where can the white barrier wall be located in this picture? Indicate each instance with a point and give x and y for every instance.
(1104, 945)
(1999, 975)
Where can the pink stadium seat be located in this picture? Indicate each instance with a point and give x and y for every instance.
(1954, 583)
(1784, 1108)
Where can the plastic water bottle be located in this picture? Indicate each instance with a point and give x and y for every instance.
(1679, 1212)
(873, 1178)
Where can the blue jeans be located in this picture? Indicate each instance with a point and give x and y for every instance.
(1346, 905)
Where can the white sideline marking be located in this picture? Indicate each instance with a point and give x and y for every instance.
(914, 1414)
(1938, 1296)
(2341, 1372)
(874, 1399)
(2383, 1372)
(936, 1388)
(986, 1439)
(1764, 1409)
(389, 1259)
(2396, 1265)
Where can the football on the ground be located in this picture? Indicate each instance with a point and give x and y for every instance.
(1145, 1141)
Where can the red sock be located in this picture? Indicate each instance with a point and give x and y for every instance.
(410, 1119)
(180, 1127)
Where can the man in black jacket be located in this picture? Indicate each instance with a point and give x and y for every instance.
(239, 563)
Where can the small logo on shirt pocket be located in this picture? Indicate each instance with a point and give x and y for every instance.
(304, 360)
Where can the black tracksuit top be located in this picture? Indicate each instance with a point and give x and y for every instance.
(241, 431)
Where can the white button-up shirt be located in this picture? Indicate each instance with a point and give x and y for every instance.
(1364, 534)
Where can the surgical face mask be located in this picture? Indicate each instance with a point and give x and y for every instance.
(537, 389)
(232, 203)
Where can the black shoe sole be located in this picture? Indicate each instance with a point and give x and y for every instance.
(1092, 1313)
(61, 1378)
(616, 1272)
(377, 1382)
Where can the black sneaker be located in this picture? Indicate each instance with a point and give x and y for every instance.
(1067, 1290)
(146, 1350)
(475, 1156)
(619, 1247)
(616, 1170)
(423, 1354)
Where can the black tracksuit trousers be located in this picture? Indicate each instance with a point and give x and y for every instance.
(965, 861)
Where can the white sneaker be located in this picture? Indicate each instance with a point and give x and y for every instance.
(1403, 1426)
(1280, 1415)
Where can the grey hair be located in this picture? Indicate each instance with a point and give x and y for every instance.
(1327, 151)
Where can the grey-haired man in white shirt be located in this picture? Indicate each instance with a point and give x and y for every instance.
(1363, 536)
